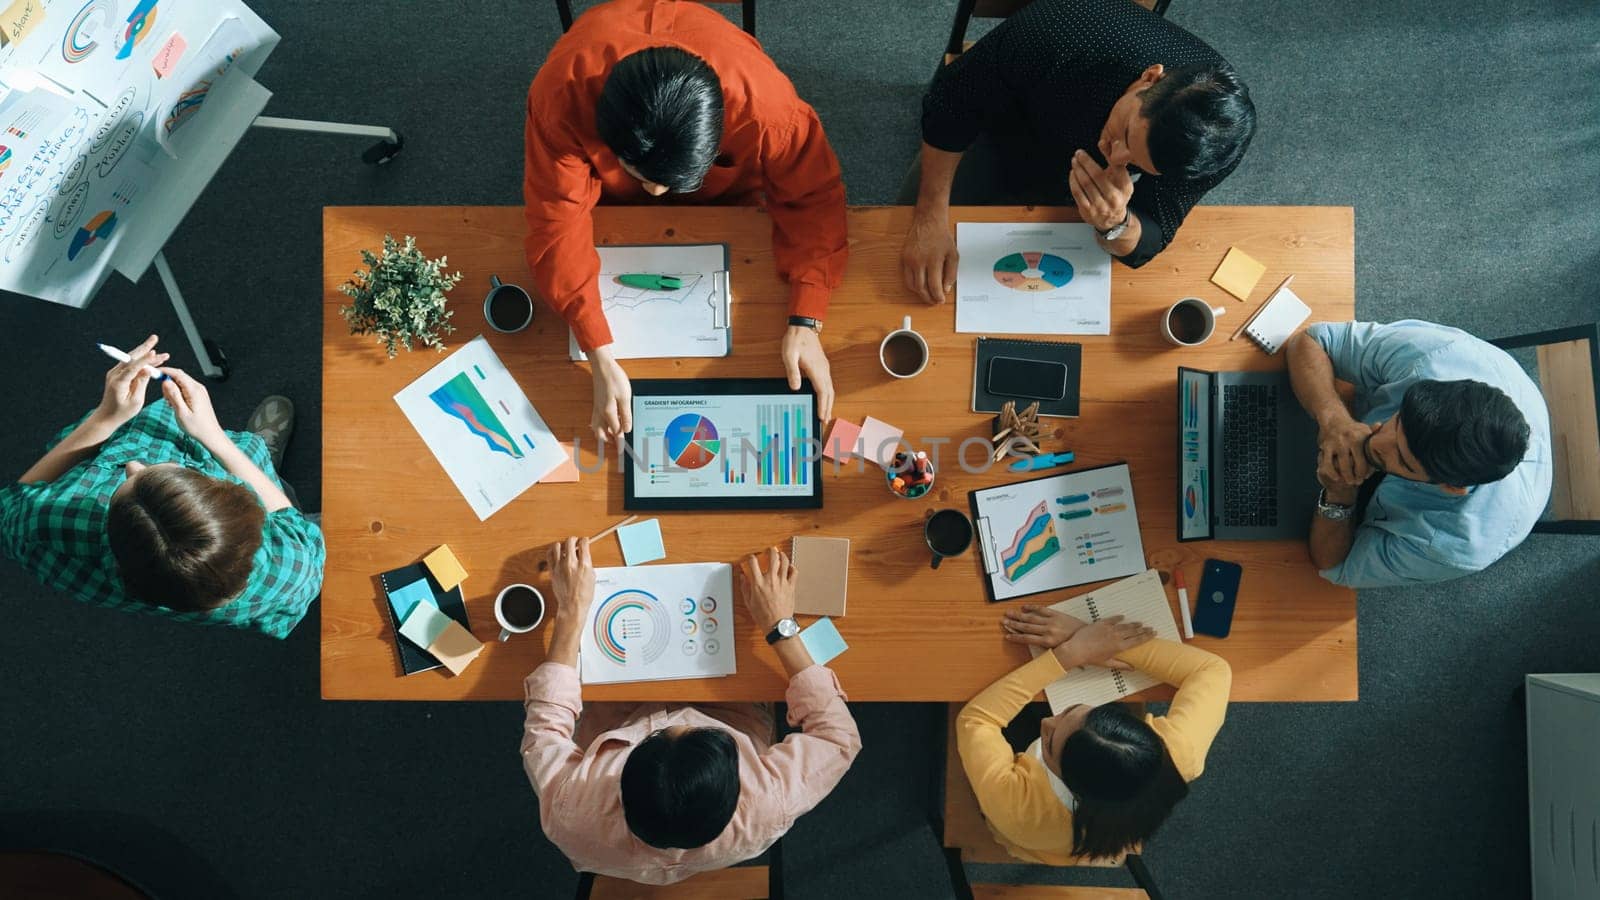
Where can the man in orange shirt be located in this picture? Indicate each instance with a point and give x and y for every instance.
(657, 98)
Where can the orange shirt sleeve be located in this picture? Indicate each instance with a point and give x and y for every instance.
(805, 196)
(559, 193)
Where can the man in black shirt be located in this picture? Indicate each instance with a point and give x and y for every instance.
(1100, 103)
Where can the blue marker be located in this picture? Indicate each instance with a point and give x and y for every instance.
(1047, 461)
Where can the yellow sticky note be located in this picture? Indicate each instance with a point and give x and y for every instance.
(455, 647)
(19, 19)
(444, 566)
(1238, 273)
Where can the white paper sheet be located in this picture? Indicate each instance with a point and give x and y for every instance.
(690, 321)
(655, 623)
(1031, 278)
(1139, 599)
(480, 426)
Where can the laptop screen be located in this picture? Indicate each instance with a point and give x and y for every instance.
(1194, 455)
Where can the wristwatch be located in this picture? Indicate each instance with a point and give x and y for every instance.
(1334, 512)
(786, 628)
(1115, 231)
(806, 322)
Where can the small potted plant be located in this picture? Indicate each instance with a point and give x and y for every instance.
(400, 297)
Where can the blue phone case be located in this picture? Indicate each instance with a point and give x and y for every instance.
(1219, 590)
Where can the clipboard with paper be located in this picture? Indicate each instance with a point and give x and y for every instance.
(693, 320)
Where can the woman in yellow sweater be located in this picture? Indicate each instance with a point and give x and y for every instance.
(1099, 780)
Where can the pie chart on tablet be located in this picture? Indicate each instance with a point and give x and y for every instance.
(692, 441)
(1032, 271)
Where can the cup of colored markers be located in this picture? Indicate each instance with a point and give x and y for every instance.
(910, 477)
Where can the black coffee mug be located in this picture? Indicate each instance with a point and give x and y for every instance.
(507, 308)
(948, 533)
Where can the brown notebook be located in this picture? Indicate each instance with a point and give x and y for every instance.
(824, 566)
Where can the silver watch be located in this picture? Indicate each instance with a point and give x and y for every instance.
(1115, 231)
(1334, 512)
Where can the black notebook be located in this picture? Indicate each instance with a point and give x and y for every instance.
(414, 659)
(1067, 354)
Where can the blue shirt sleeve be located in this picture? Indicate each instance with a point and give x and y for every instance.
(1380, 559)
(1370, 355)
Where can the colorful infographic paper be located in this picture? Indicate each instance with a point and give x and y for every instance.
(1033, 278)
(654, 623)
(480, 426)
(1194, 490)
(734, 445)
(1056, 532)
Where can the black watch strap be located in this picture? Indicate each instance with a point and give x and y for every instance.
(806, 322)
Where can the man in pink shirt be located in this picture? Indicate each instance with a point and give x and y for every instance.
(657, 792)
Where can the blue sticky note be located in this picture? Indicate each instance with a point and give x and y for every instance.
(424, 625)
(641, 542)
(406, 599)
(823, 641)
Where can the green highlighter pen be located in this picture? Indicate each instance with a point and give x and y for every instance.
(651, 282)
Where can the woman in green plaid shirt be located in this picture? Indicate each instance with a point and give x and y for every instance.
(158, 509)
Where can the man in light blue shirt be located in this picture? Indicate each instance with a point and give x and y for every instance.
(1445, 465)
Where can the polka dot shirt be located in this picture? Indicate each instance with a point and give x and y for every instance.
(1046, 78)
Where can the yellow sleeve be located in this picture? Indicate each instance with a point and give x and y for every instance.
(1203, 680)
(1005, 792)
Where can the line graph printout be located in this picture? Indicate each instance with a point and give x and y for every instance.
(655, 623)
(1035, 277)
(1059, 531)
(689, 321)
(480, 426)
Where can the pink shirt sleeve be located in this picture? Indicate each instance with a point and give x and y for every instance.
(552, 700)
(804, 767)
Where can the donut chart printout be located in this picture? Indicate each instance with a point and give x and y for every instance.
(1058, 531)
(1033, 278)
(658, 623)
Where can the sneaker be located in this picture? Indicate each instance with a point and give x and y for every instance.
(273, 422)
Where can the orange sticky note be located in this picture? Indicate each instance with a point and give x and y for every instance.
(1238, 273)
(446, 569)
(169, 54)
(567, 471)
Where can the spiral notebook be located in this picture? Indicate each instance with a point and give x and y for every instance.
(1066, 353)
(414, 659)
(1277, 319)
(1140, 598)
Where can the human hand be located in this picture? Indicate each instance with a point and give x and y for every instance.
(1102, 194)
(1040, 626)
(571, 580)
(803, 354)
(1342, 453)
(123, 396)
(929, 258)
(191, 404)
(769, 593)
(1097, 644)
(613, 397)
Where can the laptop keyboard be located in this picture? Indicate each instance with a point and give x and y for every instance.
(1250, 448)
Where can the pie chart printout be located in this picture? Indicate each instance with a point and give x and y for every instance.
(692, 441)
(1033, 271)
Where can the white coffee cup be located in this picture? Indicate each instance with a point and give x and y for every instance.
(507, 629)
(904, 334)
(1201, 310)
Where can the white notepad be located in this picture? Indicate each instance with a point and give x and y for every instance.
(1140, 598)
(1278, 318)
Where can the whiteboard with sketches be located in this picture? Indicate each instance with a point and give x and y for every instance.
(114, 115)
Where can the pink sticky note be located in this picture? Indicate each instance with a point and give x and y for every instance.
(567, 471)
(169, 54)
(880, 440)
(841, 443)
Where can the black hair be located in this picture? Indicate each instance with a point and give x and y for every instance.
(661, 113)
(1463, 432)
(680, 792)
(1123, 778)
(1201, 120)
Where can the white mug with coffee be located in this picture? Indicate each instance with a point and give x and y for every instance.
(1190, 322)
(518, 609)
(903, 353)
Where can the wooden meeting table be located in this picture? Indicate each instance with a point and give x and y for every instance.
(915, 633)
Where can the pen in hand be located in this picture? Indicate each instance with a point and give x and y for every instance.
(155, 374)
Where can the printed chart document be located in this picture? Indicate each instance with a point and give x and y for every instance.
(1139, 599)
(481, 427)
(660, 324)
(1058, 531)
(1034, 278)
(656, 623)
